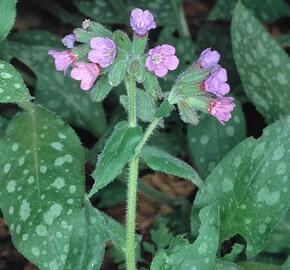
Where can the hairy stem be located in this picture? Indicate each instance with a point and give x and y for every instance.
(132, 184)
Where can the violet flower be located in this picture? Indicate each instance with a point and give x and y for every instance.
(69, 41)
(161, 59)
(104, 51)
(62, 59)
(208, 58)
(142, 21)
(87, 73)
(216, 82)
(221, 108)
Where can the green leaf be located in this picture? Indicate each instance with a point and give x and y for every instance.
(123, 41)
(197, 256)
(151, 84)
(286, 265)
(117, 73)
(12, 87)
(3, 125)
(7, 15)
(159, 160)
(145, 105)
(284, 40)
(224, 265)
(210, 141)
(55, 91)
(268, 11)
(251, 183)
(259, 266)
(262, 64)
(119, 149)
(101, 89)
(42, 181)
(164, 110)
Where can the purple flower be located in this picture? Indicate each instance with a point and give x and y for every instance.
(104, 51)
(142, 21)
(216, 82)
(87, 73)
(69, 41)
(161, 59)
(221, 108)
(62, 59)
(208, 58)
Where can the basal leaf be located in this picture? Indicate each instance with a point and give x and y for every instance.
(12, 87)
(267, 11)
(119, 149)
(224, 265)
(263, 66)
(55, 91)
(251, 183)
(3, 125)
(210, 141)
(42, 181)
(7, 15)
(201, 254)
(159, 160)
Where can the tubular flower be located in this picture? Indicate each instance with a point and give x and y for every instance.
(142, 21)
(221, 108)
(87, 73)
(62, 59)
(208, 58)
(69, 41)
(103, 51)
(161, 59)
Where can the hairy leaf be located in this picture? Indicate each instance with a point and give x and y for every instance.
(262, 64)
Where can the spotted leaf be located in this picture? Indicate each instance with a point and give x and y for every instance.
(210, 141)
(263, 66)
(252, 185)
(42, 181)
(12, 87)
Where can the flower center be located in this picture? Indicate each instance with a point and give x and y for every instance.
(156, 59)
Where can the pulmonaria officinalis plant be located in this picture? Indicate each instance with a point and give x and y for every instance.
(111, 55)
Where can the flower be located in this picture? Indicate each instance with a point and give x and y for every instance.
(208, 58)
(142, 21)
(87, 73)
(69, 41)
(104, 51)
(86, 23)
(216, 82)
(221, 108)
(62, 59)
(161, 59)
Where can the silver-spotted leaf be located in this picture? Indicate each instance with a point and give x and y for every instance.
(263, 66)
(252, 183)
(12, 87)
(119, 149)
(159, 160)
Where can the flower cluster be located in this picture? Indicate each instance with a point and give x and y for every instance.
(203, 87)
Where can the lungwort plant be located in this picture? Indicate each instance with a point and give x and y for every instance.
(44, 199)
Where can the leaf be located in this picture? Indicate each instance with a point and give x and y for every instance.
(119, 149)
(57, 92)
(159, 160)
(268, 11)
(210, 141)
(101, 89)
(42, 181)
(197, 256)
(252, 178)
(12, 87)
(286, 265)
(224, 265)
(259, 266)
(3, 125)
(263, 66)
(151, 84)
(145, 105)
(7, 15)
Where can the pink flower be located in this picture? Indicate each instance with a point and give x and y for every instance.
(87, 73)
(104, 51)
(62, 59)
(161, 59)
(221, 108)
(69, 41)
(216, 82)
(208, 58)
(142, 21)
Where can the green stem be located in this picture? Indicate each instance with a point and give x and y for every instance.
(181, 20)
(132, 184)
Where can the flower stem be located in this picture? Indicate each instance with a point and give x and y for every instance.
(132, 184)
